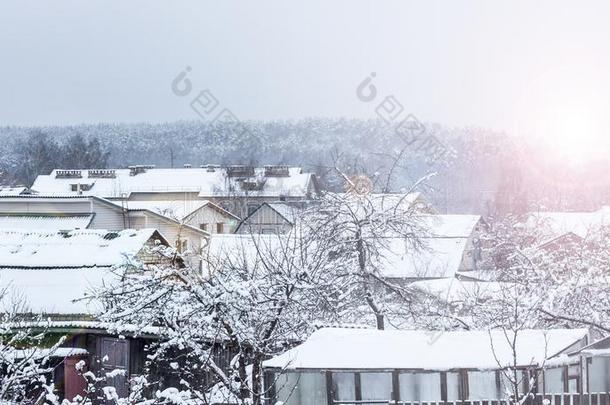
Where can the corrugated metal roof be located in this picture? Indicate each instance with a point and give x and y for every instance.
(45, 222)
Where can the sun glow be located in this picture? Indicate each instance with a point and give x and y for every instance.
(573, 132)
(567, 111)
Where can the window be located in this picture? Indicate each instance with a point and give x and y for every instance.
(220, 227)
(203, 227)
(553, 380)
(344, 386)
(420, 387)
(599, 374)
(483, 385)
(376, 386)
(453, 386)
(301, 388)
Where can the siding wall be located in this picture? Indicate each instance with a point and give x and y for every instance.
(211, 217)
(46, 206)
(265, 220)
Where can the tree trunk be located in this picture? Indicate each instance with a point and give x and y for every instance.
(379, 318)
(257, 386)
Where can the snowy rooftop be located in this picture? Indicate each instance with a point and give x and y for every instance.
(45, 222)
(174, 209)
(207, 183)
(578, 223)
(52, 291)
(453, 289)
(12, 191)
(442, 256)
(373, 349)
(77, 248)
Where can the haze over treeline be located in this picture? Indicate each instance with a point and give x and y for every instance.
(483, 172)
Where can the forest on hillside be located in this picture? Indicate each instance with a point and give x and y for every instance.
(479, 171)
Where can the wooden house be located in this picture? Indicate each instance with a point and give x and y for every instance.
(47, 276)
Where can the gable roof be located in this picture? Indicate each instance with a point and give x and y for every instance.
(285, 211)
(178, 210)
(26, 249)
(207, 183)
(347, 349)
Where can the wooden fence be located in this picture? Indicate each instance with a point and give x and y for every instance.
(598, 398)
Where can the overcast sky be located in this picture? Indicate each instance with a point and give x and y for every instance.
(513, 66)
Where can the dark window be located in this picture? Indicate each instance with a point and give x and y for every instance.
(203, 227)
(220, 227)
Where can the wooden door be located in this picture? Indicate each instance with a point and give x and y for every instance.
(114, 354)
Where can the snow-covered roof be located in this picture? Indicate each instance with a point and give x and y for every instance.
(453, 289)
(12, 191)
(390, 349)
(451, 226)
(45, 222)
(53, 291)
(578, 223)
(443, 251)
(241, 246)
(441, 257)
(77, 248)
(203, 181)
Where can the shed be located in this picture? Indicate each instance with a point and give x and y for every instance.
(339, 364)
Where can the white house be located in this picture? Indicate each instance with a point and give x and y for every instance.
(90, 212)
(237, 189)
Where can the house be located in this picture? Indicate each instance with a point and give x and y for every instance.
(202, 214)
(90, 212)
(594, 361)
(563, 229)
(450, 247)
(237, 189)
(340, 364)
(47, 278)
(279, 217)
(270, 218)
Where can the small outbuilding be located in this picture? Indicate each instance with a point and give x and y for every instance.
(341, 366)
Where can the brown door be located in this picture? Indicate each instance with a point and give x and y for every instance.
(114, 354)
